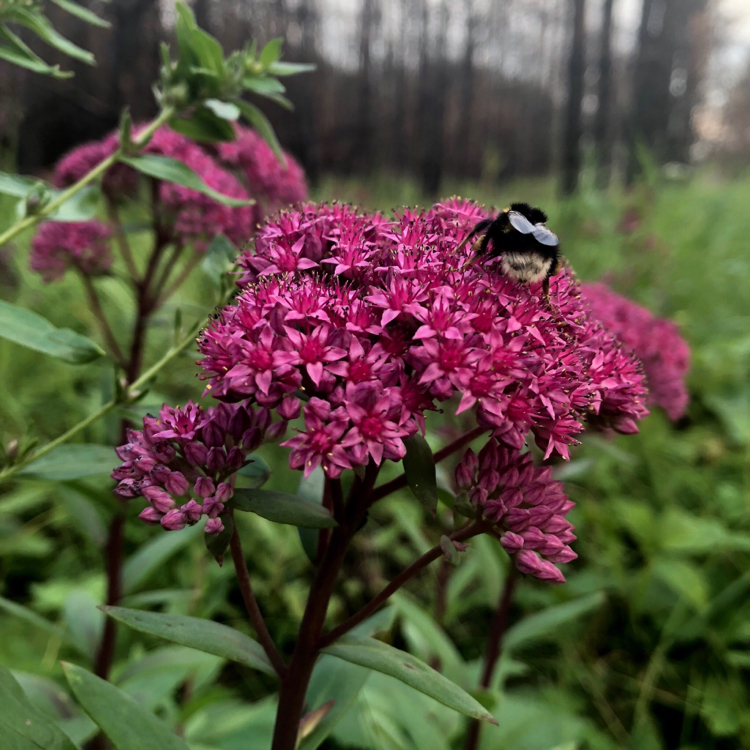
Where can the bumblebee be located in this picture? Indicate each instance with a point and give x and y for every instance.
(528, 250)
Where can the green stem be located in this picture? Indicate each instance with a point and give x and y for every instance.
(98, 170)
(106, 408)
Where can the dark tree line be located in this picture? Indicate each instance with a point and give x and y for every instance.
(461, 89)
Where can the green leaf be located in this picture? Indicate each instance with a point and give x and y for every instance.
(32, 618)
(219, 257)
(264, 86)
(46, 32)
(128, 725)
(16, 185)
(150, 557)
(22, 726)
(19, 53)
(83, 13)
(225, 110)
(685, 579)
(255, 474)
(194, 632)
(260, 122)
(375, 655)
(547, 622)
(204, 125)
(217, 544)
(171, 170)
(271, 52)
(419, 467)
(281, 507)
(311, 489)
(290, 69)
(68, 462)
(35, 332)
(337, 681)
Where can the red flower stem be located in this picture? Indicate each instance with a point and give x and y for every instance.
(180, 280)
(405, 575)
(115, 555)
(494, 648)
(122, 240)
(294, 684)
(167, 269)
(251, 605)
(400, 481)
(337, 496)
(96, 306)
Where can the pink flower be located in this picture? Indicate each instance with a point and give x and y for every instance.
(272, 184)
(319, 444)
(655, 341)
(60, 245)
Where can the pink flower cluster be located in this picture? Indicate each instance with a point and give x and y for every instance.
(271, 184)
(184, 461)
(527, 505)
(377, 322)
(60, 245)
(190, 217)
(656, 342)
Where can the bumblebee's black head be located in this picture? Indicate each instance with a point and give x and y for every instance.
(534, 215)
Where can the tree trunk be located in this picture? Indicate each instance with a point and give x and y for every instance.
(603, 137)
(571, 147)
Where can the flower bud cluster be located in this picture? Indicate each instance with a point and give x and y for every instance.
(60, 245)
(183, 462)
(527, 506)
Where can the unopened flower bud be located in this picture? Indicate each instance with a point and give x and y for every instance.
(204, 487)
(213, 435)
(252, 439)
(239, 423)
(196, 453)
(150, 515)
(214, 526)
(159, 475)
(174, 520)
(262, 418)
(235, 459)
(192, 511)
(216, 460)
(224, 492)
(212, 506)
(163, 451)
(511, 542)
(276, 431)
(159, 499)
(289, 408)
(176, 484)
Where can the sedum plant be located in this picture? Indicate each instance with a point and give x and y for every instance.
(353, 327)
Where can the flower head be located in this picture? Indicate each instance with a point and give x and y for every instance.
(656, 342)
(183, 460)
(376, 322)
(267, 180)
(60, 245)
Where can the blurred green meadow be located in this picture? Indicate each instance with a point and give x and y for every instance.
(646, 647)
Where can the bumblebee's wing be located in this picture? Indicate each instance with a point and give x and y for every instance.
(520, 223)
(544, 236)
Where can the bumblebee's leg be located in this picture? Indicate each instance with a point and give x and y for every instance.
(482, 225)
